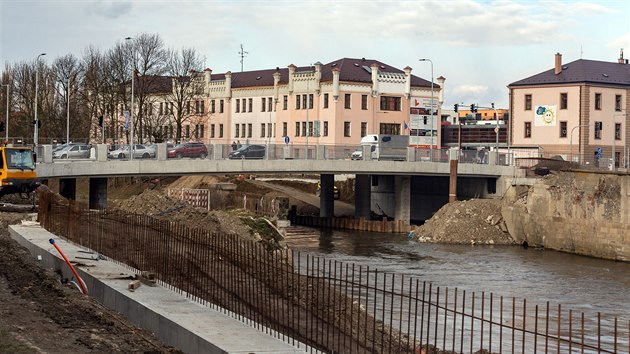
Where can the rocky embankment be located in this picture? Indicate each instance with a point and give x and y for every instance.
(475, 221)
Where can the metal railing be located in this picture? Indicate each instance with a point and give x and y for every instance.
(330, 306)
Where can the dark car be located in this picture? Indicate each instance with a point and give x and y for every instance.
(187, 150)
(248, 152)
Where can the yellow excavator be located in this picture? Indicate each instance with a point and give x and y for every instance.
(17, 174)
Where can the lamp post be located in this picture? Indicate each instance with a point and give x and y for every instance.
(431, 148)
(6, 119)
(68, 112)
(36, 130)
(133, 73)
(571, 141)
(307, 130)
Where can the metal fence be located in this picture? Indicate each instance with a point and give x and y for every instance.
(326, 305)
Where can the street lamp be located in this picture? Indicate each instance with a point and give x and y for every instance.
(6, 120)
(431, 148)
(35, 131)
(133, 73)
(68, 111)
(571, 141)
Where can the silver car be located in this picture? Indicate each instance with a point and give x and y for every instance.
(74, 151)
(140, 151)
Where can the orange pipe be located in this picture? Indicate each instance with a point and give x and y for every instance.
(83, 288)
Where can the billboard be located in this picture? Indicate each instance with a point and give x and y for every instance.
(423, 126)
(545, 116)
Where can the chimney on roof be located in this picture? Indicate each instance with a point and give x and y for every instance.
(558, 68)
(621, 60)
(207, 75)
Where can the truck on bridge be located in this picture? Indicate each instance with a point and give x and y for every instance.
(384, 147)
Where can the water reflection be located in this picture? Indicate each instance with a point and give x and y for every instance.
(581, 283)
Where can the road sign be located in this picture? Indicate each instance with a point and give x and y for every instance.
(599, 152)
(126, 120)
(286, 139)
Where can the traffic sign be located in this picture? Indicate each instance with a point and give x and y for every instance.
(286, 139)
(599, 152)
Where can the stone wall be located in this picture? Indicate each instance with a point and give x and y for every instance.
(581, 213)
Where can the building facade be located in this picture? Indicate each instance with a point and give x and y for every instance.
(576, 110)
(328, 104)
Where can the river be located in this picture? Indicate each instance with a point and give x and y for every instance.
(583, 284)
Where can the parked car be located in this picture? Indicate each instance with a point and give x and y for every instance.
(187, 150)
(140, 151)
(73, 151)
(357, 154)
(248, 152)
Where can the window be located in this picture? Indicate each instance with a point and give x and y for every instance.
(389, 103)
(390, 128)
(269, 130)
(363, 128)
(563, 129)
(211, 130)
(187, 131)
(238, 106)
(564, 101)
(528, 129)
(303, 128)
(297, 101)
(285, 102)
(203, 107)
(262, 130)
(263, 104)
(236, 131)
(212, 106)
(201, 130)
(310, 128)
(297, 128)
(346, 129)
(618, 103)
(346, 102)
(249, 130)
(363, 103)
(310, 101)
(269, 105)
(598, 130)
(325, 128)
(187, 107)
(316, 130)
(325, 100)
(598, 101)
(244, 105)
(220, 130)
(304, 102)
(528, 103)
(221, 106)
(284, 129)
(617, 131)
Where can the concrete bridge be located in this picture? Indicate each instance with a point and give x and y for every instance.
(405, 190)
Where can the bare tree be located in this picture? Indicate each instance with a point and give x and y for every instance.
(184, 67)
(71, 111)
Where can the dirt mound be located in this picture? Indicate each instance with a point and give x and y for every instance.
(475, 221)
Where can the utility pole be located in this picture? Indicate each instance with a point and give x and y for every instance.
(243, 54)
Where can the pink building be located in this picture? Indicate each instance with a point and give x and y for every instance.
(574, 110)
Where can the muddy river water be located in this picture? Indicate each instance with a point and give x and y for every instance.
(583, 284)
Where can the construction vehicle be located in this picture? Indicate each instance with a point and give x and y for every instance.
(18, 174)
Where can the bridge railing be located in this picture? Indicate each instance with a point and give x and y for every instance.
(331, 306)
(104, 152)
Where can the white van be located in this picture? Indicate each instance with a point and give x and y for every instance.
(387, 147)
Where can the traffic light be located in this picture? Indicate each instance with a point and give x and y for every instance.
(1, 126)
(456, 107)
(38, 122)
(492, 104)
(472, 108)
(100, 121)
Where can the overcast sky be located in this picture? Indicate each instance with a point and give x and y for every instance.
(479, 46)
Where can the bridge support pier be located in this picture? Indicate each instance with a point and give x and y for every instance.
(327, 196)
(98, 193)
(68, 188)
(402, 198)
(363, 196)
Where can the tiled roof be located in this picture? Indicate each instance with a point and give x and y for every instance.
(582, 71)
(351, 70)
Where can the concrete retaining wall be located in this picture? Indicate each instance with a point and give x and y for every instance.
(172, 317)
(581, 213)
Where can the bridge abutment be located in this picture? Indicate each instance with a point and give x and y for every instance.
(327, 196)
(362, 196)
(402, 198)
(68, 188)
